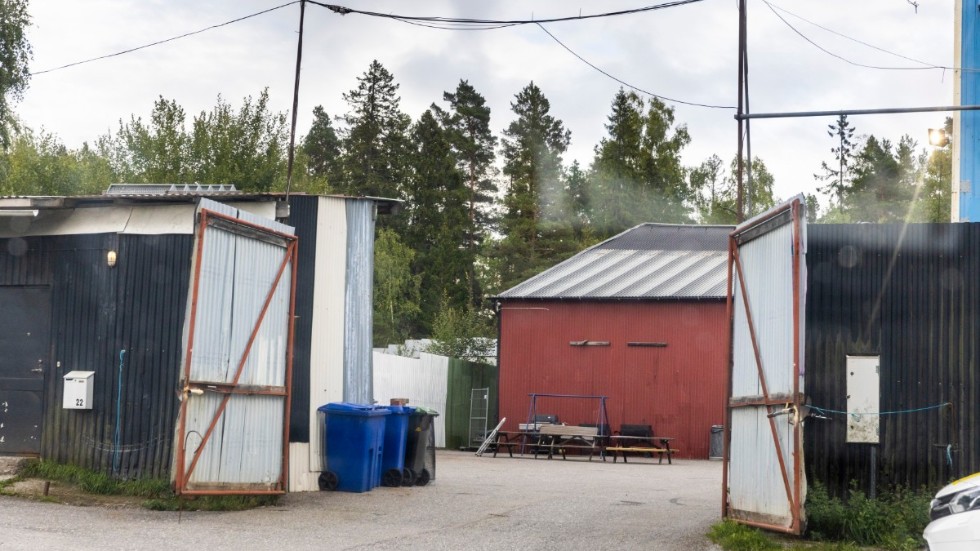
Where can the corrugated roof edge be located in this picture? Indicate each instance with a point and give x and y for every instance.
(598, 245)
(385, 205)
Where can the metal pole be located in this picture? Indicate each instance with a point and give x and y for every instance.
(739, 115)
(292, 128)
(885, 111)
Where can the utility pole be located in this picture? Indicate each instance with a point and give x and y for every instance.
(739, 189)
(292, 128)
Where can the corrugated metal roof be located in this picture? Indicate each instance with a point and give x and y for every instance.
(649, 261)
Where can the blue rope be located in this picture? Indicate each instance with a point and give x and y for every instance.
(116, 436)
(823, 411)
(949, 454)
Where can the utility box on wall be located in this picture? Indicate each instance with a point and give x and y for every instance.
(78, 390)
(863, 397)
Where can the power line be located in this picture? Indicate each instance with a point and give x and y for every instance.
(466, 23)
(628, 85)
(840, 57)
(852, 39)
(164, 41)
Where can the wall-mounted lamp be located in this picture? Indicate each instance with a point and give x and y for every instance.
(110, 258)
(938, 137)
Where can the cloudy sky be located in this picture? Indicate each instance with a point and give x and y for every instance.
(686, 52)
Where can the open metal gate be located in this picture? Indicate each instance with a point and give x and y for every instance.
(763, 480)
(234, 415)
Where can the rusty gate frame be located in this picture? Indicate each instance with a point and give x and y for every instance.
(210, 217)
(793, 402)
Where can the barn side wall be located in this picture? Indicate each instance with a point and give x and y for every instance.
(124, 323)
(908, 294)
(679, 388)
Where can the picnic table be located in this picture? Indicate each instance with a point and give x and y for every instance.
(544, 438)
(623, 444)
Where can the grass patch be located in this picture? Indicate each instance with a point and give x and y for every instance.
(732, 536)
(93, 482)
(159, 494)
(211, 503)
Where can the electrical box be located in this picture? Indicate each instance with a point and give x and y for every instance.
(863, 394)
(78, 390)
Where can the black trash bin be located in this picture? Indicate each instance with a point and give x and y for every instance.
(716, 446)
(420, 447)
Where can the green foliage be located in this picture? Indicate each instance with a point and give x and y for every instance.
(396, 289)
(637, 174)
(934, 200)
(375, 142)
(894, 521)
(732, 536)
(837, 175)
(245, 147)
(15, 54)
(465, 333)
(438, 222)
(714, 191)
(39, 164)
(537, 229)
(321, 148)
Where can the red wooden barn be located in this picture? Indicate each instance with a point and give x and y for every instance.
(639, 318)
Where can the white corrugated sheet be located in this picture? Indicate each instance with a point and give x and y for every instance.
(424, 381)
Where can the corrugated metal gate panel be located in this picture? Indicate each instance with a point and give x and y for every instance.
(236, 378)
(763, 480)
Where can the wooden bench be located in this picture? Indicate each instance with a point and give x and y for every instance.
(639, 439)
(565, 437)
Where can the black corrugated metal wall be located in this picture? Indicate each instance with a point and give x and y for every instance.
(98, 312)
(908, 294)
(303, 211)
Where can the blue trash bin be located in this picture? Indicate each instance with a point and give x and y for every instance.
(353, 445)
(393, 471)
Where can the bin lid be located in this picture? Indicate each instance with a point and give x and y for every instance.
(346, 408)
(426, 411)
(400, 410)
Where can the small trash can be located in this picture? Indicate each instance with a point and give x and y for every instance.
(716, 446)
(393, 471)
(353, 444)
(420, 448)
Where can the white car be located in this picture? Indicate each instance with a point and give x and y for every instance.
(955, 515)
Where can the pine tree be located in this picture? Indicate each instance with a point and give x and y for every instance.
(322, 149)
(838, 175)
(637, 172)
(537, 228)
(437, 209)
(375, 142)
(877, 192)
(467, 125)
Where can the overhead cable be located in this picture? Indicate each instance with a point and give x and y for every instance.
(466, 23)
(628, 85)
(164, 41)
(852, 39)
(840, 57)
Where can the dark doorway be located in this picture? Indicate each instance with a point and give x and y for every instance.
(25, 352)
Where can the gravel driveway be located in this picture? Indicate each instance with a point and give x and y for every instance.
(475, 503)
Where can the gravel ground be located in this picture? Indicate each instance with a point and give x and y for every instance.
(475, 503)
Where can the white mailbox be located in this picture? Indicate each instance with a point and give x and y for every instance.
(78, 390)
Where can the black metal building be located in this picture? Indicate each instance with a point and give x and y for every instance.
(909, 295)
